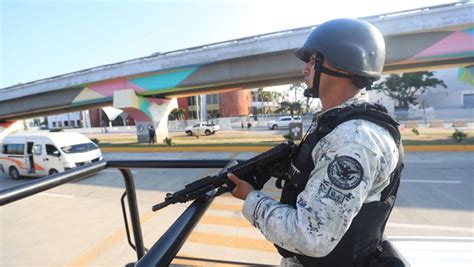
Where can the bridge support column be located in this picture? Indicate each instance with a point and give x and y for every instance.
(147, 112)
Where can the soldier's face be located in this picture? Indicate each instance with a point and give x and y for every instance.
(308, 71)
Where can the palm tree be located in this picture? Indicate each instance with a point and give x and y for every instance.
(176, 114)
(296, 87)
(291, 107)
(266, 97)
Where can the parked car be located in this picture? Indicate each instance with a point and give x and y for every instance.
(283, 122)
(202, 128)
(39, 154)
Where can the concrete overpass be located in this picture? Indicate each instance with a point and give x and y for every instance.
(425, 38)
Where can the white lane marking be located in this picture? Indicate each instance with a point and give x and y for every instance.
(115, 171)
(56, 195)
(431, 181)
(424, 161)
(432, 227)
(431, 238)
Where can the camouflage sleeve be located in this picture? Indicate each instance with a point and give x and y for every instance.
(334, 194)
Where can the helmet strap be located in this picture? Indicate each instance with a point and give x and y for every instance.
(318, 68)
(335, 73)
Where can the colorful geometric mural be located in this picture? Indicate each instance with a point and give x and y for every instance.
(144, 84)
(427, 47)
(163, 80)
(466, 74)
(457, 44)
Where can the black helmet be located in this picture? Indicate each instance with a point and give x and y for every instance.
(351, 45)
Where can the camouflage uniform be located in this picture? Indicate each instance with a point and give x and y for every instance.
(328, 204)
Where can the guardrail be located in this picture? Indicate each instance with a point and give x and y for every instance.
(166, 248)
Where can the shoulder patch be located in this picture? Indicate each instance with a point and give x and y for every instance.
(345, 172)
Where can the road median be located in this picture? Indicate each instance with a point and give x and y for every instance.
(247, 148)
(248, 141)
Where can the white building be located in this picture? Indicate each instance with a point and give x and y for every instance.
(458, 94)
(66, 120)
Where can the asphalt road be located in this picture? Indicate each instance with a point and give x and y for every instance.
(81, 223)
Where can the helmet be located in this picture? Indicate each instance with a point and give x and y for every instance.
(351, 45)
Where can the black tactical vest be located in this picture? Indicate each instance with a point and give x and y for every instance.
(363, 238)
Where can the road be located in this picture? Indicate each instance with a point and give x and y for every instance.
(80, 224)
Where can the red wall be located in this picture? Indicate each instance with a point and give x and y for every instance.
(236, 103)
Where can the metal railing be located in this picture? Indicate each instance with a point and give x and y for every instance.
(166, 248)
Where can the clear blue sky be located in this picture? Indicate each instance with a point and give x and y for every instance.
(40, 39)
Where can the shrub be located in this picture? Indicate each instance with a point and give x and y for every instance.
(458, 136)
(168, 141)
(288, 136)
(415, 131)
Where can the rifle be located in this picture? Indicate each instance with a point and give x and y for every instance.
(256, 171)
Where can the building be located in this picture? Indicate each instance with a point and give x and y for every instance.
(228, 104)
(458, 94)
(66, 120)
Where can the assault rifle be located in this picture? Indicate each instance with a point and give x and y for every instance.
(256, 171)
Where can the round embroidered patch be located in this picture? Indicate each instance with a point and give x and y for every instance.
(345, 172)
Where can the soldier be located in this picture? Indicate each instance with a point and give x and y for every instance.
(344, 177)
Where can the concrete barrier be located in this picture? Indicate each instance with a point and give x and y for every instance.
(411, 124)
(436, 123)
(460, 123)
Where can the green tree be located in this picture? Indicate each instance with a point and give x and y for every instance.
(266, 98)
(291, 107)
(404, 88)
(176, 114)
(296, 87)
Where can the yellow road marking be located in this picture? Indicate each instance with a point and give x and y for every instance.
(201, 262)
(232, 241)
(92, 253)
(89, 255)
(228, 207)
(225, 221)
(189, 262)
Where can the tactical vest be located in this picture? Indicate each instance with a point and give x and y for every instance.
(363, 238)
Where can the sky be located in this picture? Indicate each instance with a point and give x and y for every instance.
(41, 39)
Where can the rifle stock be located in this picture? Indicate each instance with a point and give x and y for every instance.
(256, 171)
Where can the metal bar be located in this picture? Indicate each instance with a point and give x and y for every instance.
(124, 213)
(134, 214)
(205, 164)
(166, 248)
(27, 189)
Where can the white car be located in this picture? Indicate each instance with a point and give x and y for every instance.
(283, 122)
(202, 128)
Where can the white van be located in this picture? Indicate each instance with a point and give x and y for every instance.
(39, 154)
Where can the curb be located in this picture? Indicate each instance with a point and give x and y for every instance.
(437, 148)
